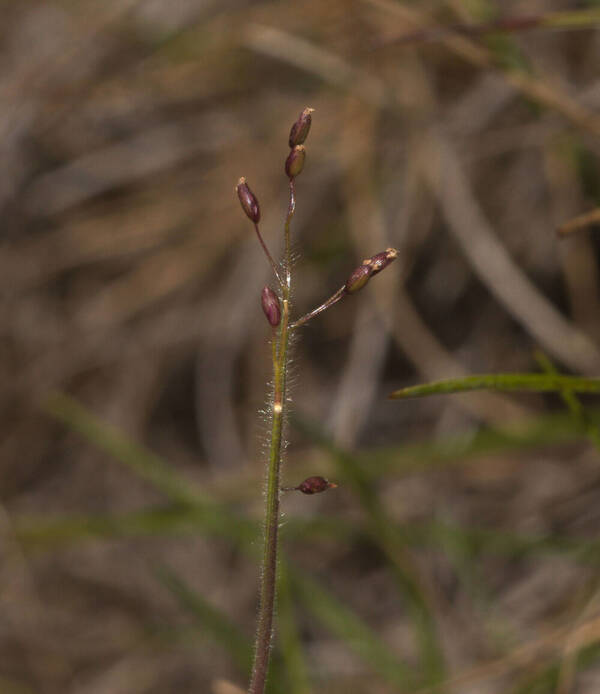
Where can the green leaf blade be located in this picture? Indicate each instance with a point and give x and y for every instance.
(526, 382)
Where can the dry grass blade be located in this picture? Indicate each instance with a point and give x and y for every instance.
(537, 383)
(584, 634)
(494, 266)
(305, 55)
(540, 89)
(582, 221)
(569, 20)
(226, 687)
(147, 153)
(574, 642)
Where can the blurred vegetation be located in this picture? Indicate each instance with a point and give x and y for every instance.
(460, 552)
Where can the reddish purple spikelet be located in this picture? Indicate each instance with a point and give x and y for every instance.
(248, 201)
(295, 161)
(358, 279)
(380, 261)
(270, 306)
(315, 485)
(299, 131)
(370, 266)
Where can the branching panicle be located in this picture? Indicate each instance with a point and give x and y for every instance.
(277, 309)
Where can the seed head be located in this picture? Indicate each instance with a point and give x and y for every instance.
(370, 266)
(295, 161)
(380, 261)
(248, 201)
(358, 279)
(315, 485)
(299, 131)
(270, 306)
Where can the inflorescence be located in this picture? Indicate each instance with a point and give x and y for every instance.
(270, 300)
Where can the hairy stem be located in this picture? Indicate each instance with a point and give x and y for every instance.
(266, 608)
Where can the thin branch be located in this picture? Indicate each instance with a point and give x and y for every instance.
(323, 307)
(269, 256)
(288, 220)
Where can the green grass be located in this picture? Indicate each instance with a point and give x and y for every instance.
(189, 510)
(510, 382)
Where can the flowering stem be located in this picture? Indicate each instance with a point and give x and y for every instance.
(269, 567)
(277, 311)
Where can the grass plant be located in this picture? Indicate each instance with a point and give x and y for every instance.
(192, 510)
(277, 307)
(461, 550)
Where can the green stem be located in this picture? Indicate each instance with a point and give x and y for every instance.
(266, 608)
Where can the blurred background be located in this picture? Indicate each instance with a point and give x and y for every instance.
(460, 551)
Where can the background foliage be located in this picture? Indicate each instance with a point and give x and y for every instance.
(460, 550)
